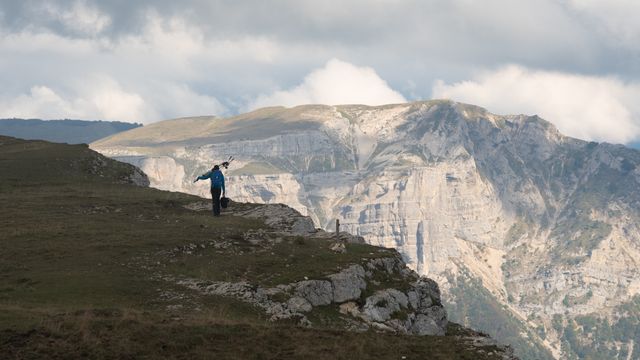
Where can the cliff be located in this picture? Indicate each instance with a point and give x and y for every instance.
(504, 212)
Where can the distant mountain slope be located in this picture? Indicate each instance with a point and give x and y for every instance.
(532, 235)
(63, 131)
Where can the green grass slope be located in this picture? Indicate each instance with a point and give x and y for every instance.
(199, 130)
(84, 256)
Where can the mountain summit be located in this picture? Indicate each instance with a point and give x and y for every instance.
(532, 235)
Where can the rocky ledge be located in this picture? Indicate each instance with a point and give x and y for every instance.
(377, 293)
(411, 309)
(380, 293)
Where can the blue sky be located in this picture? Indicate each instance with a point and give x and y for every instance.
(576, 63)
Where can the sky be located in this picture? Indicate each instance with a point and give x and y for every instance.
(575, 63)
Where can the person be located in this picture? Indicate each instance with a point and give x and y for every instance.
(217, 186)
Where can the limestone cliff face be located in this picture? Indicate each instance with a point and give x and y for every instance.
(547, 224)
(163, 172)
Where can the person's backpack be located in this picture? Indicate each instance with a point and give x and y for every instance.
(217, 179)
(224, 202)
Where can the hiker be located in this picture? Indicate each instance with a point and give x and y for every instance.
(217, 185)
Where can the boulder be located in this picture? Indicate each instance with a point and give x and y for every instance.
(282, 218)
(388, 264)
(302, 225)
(382, 327)
(298, 304)
(316, 292)
(428, 294)
(381, 305)
(425, 325)
(338, 248)
(350, 308)
(348, 284)
(439, 315)
(399, 325)
(414, 299)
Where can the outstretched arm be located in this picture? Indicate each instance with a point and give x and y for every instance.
(203, 177)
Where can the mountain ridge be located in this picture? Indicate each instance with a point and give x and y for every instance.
(66, 131)
(463, 194)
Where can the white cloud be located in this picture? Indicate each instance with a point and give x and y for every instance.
(338, 82)
(213, 57)
(97, 97)
(617, 18)
(107, 100)
(138, 78)
(178, 100)
(586, 107)
(31, 105)
(80, 17)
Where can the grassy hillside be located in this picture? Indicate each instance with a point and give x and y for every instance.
(258, 124)
(85, 255)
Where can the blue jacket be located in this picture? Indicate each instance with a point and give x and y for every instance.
(217, 179)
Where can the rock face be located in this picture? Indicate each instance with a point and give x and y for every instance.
(387, 309)
(377, 292)
(163, 172)
(348, 284)
(381, 305)
(535, 228)
(316, 292)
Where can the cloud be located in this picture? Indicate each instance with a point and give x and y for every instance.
(587, 107)
(107, 100)
(618, 19)
(81, 17)
(338, 82)
(177, 100)
(98, 97)
(32, 105)
(202, 57)
(138, 78)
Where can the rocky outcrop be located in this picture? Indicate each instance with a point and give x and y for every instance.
(280, 217)
(316, 292)
(139, 178)
(348, 284)
(380, 293)
(101, 166)
(415, 310)
(381, 305)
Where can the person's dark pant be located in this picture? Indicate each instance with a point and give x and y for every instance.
(215, 199)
